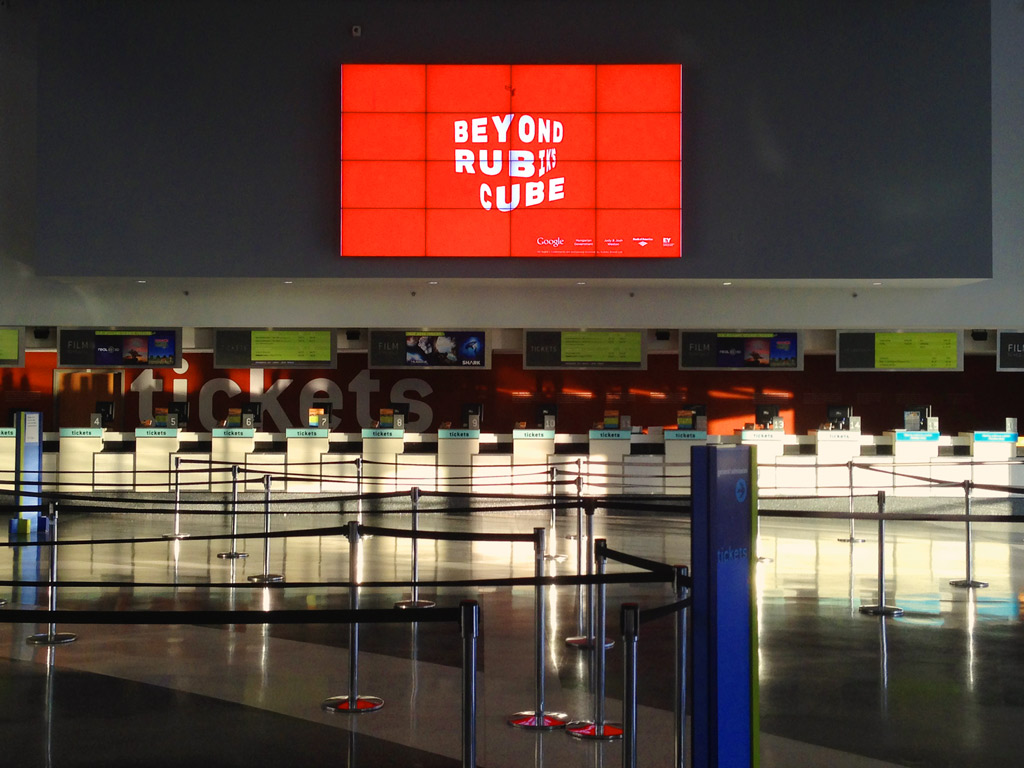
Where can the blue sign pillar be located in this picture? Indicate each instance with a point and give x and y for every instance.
(28, 472)
(725, 700)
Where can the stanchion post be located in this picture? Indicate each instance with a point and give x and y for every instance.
(881, 609)
(629, 620)
(176, 533)
(415, 602)
(598, 729)
(353, 703)
(551, 525)
(234, 553)
(681, 580)
(539, 719)
(852, 538)
(266, 577)
(52, 636)
(469, 621)
(969, 582)
(586, 642)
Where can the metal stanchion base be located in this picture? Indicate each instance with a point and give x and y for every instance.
(341, 704)
(415, 604)
(585, 729)
(266, 578)
(529, 721)
(556, 558)
(231, 555)
(881, 610)
(852, 541)
(57, 638)
(969, 584)
(583, 643)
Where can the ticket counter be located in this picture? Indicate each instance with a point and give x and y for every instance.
(304, 451)
(381, 449)
(154, 463)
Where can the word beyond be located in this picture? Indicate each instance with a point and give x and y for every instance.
(516, 163)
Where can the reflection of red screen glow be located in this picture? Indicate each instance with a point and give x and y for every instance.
(520, 160)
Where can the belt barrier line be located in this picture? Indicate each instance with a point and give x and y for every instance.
(912, 517)
(402, 533)
(651, 614)
(514, 581)
(638, 562)
(280, 616)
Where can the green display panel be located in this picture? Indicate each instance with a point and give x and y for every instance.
(291, 346)
(602, 347)
(930, 351)
(10, 347)
(269, 348)
(900, 351)
(584, 349)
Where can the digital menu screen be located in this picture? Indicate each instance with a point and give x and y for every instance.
(428, 349)
(899, 351)
(584, 349)
(502, 161)
(740, 350)
(133, 348)
(257, 348)
(10, 347)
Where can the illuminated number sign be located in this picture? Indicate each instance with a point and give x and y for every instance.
(520, 160)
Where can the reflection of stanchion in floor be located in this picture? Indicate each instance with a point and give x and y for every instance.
(682, 587)
(266, 577)
(52, 636)
(415, 601)
(881, 609)
(551, 539)
(969, 582)
(539, 719)
(629, 620)
(353, 703)
(597, 728)
(852, 538)
(176, 533)
(469, 621)
(584, 642)
(234, 553)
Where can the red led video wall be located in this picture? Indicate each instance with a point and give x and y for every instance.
(520, 160)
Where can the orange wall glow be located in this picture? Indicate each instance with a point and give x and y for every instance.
(511, 160)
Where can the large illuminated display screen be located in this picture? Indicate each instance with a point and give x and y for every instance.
(584, 349)
(11, 350)
(295, 348)
(128, 348)
(899, 351)
(428, 349)
(511, 160)
(740, 350)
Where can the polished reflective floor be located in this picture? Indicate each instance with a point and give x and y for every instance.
(942, 685)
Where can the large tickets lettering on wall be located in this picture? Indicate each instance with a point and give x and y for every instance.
(511, 160)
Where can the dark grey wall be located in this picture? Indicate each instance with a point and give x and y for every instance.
(824, 139)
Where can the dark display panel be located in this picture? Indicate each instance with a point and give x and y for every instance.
(805, 156)
(428, 349)
(128, 348)
(740, 350)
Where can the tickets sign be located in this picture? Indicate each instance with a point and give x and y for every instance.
(511, 160)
